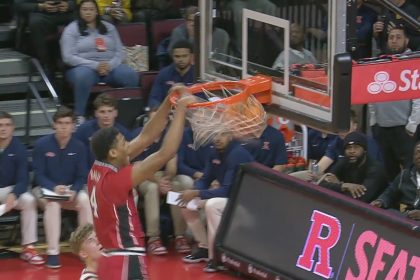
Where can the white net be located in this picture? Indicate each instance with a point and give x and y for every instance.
(245, 119)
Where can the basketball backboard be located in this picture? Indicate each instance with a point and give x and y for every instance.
(300, 44)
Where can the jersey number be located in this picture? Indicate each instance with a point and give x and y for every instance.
(93, 203)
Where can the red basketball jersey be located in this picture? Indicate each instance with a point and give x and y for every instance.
(115, 216)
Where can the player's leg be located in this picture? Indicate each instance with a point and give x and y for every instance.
(122, 267)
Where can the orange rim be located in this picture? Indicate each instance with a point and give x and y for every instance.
(259, 85)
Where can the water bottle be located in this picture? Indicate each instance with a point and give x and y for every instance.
(315, 172)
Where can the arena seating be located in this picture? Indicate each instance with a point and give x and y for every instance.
(160, 30)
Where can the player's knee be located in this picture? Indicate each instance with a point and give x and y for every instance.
(27, 200)
(82, 198)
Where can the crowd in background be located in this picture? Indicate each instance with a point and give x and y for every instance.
(381, 169)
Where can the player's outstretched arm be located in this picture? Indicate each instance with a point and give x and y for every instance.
(171, 142)
(151, 130)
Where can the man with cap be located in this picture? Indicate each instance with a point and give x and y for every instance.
(356, 174)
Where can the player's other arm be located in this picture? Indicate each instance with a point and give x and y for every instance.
(143, 169)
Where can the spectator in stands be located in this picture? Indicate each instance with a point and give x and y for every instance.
(180, 71)
(404, 192)
(93, 50)
(318, 142)
(297, 53)
(269, 149)
(335, 149)
(153, 190)
(106, 112)
(148, 10)
(185, 31)
(14, 182)
(236, 7)
(191, 162)
(365, 19)
(221, 165)
(356, 174)
(320, 33)
(115, 11)
(60, 165)
(44, 16)
(387, 22)
(394, 123)
(85, 244)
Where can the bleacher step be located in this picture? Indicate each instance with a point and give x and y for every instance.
(14, 72)
(39, 123)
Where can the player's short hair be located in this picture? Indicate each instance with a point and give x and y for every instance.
(78, 236)
(182, 44)
(5, 115)
(64, 112)
(105, 99)
(102, 141)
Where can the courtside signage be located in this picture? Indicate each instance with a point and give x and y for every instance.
(389, 81)
(370, 255)
(277, 227)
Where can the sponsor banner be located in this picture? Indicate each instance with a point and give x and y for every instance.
(385, 81)
(278, 227)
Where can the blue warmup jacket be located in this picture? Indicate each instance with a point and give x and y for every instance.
(54, 166)
(317, 145)
(86, 130)
(223, 168)
(164, 81)
(14, 167)
(269, 149)
(190, 160)
(153, 148)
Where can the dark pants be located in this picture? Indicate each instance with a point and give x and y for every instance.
(397, 148)
(43, 28)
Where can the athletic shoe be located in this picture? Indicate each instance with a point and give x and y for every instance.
(53, 261)
(181, 245)
(30, 255)
(155, 247)
(212, 266)
(201, 255)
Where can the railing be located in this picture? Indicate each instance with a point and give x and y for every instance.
(34, 93)
(414, 23)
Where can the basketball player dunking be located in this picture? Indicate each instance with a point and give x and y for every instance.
(110, 185)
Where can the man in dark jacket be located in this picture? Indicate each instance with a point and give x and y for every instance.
(404, 192)
(356, 174)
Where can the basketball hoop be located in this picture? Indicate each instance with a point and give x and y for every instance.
(228, 106)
